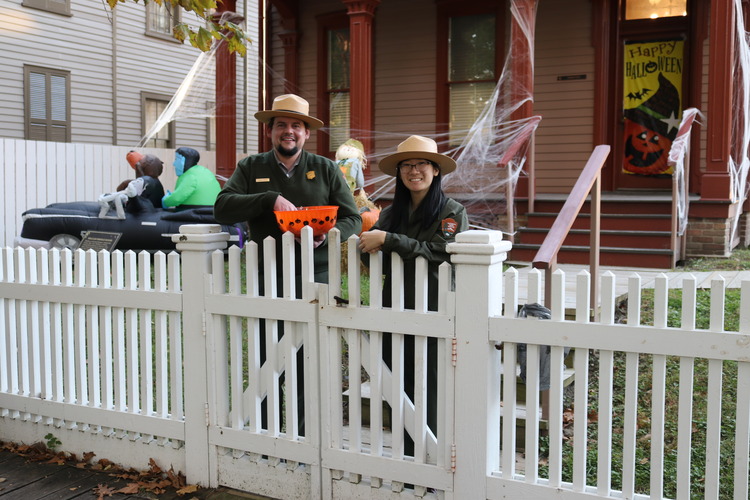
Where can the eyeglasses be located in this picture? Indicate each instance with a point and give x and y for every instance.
(421, 166)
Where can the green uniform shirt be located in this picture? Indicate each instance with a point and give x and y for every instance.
(249, 195)
(412, 241)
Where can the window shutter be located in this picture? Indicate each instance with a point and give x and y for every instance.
(48, 105)
(58, 98)
(37, 96)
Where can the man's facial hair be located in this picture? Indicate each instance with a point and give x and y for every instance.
(287, 153)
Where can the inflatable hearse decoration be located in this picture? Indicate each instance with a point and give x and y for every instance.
(61, 225)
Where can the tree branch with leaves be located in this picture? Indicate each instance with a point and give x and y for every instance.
(220, 26)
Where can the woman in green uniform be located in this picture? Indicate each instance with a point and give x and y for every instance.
(420, 222)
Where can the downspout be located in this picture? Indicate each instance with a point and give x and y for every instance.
(114, 77)
(245, 73)
(263, 87)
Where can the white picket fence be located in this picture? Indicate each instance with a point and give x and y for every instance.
(137, 356)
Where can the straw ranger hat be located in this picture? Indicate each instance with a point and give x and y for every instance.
(416, 146)
(290, 106)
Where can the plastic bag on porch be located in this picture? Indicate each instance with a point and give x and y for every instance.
(540, 312)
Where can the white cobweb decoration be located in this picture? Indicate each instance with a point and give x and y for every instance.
(493, 150)
(492, 155)
(197, 89)
(739, 162)
(679, 154)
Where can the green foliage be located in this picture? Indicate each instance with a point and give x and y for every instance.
(52, 441)
(219, 28)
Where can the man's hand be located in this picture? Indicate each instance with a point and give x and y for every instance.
(372, 241)
(318, 240)
(283, 205)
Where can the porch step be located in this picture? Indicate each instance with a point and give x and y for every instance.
(611, 204)
(608, 238)
(608, 256)
(635, 230)
(613, 222)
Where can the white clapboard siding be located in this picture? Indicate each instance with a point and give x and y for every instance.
(112, 61)
(565, 105)
(181, 358)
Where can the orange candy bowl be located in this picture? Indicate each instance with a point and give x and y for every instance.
(321, 219)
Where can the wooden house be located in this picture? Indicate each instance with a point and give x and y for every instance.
(381, 70)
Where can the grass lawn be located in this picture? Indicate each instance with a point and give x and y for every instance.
(740, 260)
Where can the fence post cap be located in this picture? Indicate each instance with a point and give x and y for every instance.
(479, 236)
(200, 228)
(201, 237)
(479, 247)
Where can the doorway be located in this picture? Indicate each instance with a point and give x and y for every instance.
(652, 87)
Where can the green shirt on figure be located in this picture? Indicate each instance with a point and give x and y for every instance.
(197, 186)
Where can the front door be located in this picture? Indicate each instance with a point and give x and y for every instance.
(652, 81)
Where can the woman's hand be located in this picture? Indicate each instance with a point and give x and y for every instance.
(372, 241)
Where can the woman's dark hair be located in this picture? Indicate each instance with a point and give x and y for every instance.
(427, 211)
(192, 157)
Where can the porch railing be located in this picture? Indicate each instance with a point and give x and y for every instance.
(523, 136)
(679, 160)
(588, 182)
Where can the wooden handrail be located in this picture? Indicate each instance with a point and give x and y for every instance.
(588, 182)
(523, 135)
(678, 242)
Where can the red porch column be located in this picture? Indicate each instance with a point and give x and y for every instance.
(522, 83)
(716, 182)
(361, 14)
(226, 103)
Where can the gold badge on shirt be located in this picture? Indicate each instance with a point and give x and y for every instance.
(449, 227)
(310, 175)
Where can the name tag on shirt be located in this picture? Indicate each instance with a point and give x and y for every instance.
(263, 179)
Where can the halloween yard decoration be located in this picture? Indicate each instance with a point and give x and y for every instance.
(351, 159)
(649, 131)
(652, 105)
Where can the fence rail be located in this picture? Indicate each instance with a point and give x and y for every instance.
(200, 361)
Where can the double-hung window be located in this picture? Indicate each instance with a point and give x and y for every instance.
(334, 67)
(56, 6)
(47, 104)
(161, 19)
(467, 74)
(152, 107)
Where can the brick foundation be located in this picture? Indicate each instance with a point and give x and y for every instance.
(745, 230)
(708, 237)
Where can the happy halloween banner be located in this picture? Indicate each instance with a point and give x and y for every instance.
(652, 104)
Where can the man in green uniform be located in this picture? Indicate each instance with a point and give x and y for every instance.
(285, 178)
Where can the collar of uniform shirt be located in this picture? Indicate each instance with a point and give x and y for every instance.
(289, 172)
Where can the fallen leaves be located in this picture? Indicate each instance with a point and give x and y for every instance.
(103, 490)
(154, 479)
